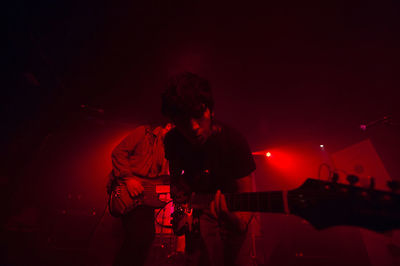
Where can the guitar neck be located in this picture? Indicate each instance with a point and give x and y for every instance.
(272, 201)
(323, 204)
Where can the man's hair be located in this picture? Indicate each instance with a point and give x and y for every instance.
(187, 95)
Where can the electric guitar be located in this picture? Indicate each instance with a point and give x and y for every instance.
(121, 201)
(322, 203)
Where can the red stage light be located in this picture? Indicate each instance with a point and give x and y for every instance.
(268, 154)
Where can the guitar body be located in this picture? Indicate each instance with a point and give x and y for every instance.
(121, 202)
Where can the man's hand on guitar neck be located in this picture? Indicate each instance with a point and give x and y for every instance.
(238, 221)
(134, 186)
(218, 206)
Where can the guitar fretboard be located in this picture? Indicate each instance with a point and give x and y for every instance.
(252, 201)
(322, 203)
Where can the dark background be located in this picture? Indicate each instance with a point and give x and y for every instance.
(80, 74)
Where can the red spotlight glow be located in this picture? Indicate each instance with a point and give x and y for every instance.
(268, 154)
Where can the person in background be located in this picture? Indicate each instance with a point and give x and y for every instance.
(140, 154)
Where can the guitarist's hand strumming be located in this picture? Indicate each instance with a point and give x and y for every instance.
(134, 187)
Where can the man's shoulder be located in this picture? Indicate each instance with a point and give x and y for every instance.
(140, 128)
(227, 132)
(138, 132)
(143, 129)
(238, 151)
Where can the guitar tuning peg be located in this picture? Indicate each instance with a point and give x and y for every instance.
(335, 177)
(372, 183)
(393, 185)
(352, 179)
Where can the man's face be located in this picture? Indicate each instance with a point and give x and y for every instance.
(195, 130)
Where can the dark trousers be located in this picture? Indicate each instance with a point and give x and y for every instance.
(215, 246)
(139, 231)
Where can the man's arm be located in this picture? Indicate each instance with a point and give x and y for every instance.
(120, 160)
(244, 184)
(120, 154)
(243, 165)
(238, 221)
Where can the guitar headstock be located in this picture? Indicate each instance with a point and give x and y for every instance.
(324, 204)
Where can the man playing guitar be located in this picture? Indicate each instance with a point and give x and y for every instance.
(208, 157)
(140, 156)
